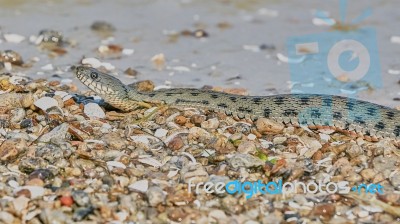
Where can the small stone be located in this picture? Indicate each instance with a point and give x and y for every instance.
(14, 38)
(354, 177)
(382, 163)
(155, 196)
(35, 182)
(76, 172)
(197, 119)
(176, 143)
(121, 180)
(143, 86)
(81, 213)
(247, 147)
(94, 62)
(48, 67)
(43, 174)
(218, 215)
(93, 110)
(57, 135)
(20, 203)
(114, 141)
(49, 38)
(102, 26)
(279, 140)
(368, 174)
(245, 160)
(199, 134)
(265, 125)
(160, 133)
(395, 179)
(158, 61)
(194, 173)
(200, 33)
(10, 56)
(46, 103)
(251, 137)
(116, 164)
(210, 124)
(6, 217)
(81, 198)
(10, 149)
(108, 180)
(127, 51)
(312, 147)
(181, 120)
(140, 186)
(354, 150)
(177, 214)
(324, 210)
(66, 201)
(26, 123)
(23, 192)
(35, 191)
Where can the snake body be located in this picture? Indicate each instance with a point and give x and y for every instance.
(347, 114)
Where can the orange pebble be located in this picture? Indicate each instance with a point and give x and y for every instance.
(66, 201)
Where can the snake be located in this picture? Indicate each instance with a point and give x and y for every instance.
(350, 115)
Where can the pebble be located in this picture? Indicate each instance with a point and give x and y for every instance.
(279, 140)
(81, 213)
(50, 38)
(158, 61)
(102, 26)
(268, 126)
(81, 198)
(66, 201)
(210, 123)
(6, 217)
(176, 143)
(46, 103)
(11, 148)
(199, 134)
(245, 160)
(21, 203)
(247, 147)
(155, 196)
(117, 164)
(93, 110)
(161, 133)
(14, 38)
(140, 186)
(48, 67)
(114, 141)
(35, 191)
(57, 135)
(12, 57)
(251, 137)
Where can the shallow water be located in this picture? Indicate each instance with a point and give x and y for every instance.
(218, 60)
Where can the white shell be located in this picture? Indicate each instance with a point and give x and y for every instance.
(141, 186)
(14, 38)
(45, 103)
(93, 110)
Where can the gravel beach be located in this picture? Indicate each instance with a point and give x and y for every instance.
(66, 156)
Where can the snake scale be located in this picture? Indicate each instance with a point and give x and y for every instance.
(341, 113)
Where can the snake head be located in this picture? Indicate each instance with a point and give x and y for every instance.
(103, 84)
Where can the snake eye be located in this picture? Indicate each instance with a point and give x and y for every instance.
(94, 75)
